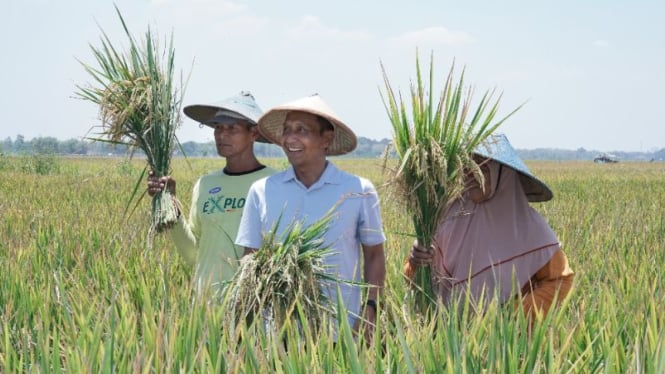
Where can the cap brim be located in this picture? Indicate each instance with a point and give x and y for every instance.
(205, 115)
(201, 113)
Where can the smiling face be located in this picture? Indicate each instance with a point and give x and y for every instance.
(305, 140)
(234, 138)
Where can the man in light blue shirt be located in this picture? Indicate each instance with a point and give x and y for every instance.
(308, 131)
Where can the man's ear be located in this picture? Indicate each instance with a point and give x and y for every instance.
(328, 136)
(255, 132)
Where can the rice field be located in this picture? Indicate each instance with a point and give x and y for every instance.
(81, 292)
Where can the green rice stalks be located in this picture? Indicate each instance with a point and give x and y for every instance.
(282, 281)
(139, 106)
(433, 143)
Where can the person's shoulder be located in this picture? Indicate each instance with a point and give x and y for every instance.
(366, 184)
(259, 174)
(276, 176)
(212, 175)
(269, 176)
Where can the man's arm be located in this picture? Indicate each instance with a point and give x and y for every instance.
(186, 232)
(375, 275)
(374, 269)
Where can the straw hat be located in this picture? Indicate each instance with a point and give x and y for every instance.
(498, 148)
(272, 123)
(238, 107)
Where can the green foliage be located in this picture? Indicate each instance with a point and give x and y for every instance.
(281, 282)
(127, 168)
(45, 145)
(40, 164)
(80, 294)
(4, 162)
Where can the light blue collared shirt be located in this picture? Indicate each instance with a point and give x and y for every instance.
(356, 219)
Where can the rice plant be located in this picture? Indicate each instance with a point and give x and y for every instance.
(76, 297)
(433, 139)
(283, 280)
(139, 105)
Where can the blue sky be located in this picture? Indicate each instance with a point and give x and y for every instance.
(592, 72)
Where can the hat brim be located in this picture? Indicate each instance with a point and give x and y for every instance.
(498, 148)
(272, 123)
(204, 114)
(536, 191)
(201, 113)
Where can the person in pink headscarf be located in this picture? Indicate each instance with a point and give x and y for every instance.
(492, 243)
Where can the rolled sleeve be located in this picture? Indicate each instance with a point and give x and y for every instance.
(370, 226)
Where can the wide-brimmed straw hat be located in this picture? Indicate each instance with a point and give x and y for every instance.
(238, 107)
(272, 123)
(498, 148)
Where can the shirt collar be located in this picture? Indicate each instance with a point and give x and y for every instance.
(331, 175)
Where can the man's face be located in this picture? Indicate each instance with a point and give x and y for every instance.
(234, 138)
(303, 140)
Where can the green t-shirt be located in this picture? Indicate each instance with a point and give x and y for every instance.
(206, 239)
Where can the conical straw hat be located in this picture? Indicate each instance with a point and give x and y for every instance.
(498, 148)
(272, 123)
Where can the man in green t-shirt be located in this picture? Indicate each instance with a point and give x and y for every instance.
(205, 239)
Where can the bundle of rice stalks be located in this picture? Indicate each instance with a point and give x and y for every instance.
(433, 143)
(283, 280)
(139, 106)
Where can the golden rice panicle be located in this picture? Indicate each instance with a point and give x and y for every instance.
(282, 281)
(139, 106)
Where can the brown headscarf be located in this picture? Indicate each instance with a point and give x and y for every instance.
(494, 246)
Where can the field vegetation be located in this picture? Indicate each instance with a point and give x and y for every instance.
(81, 292)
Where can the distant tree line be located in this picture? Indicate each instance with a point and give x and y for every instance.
(367, 148)
(582, 154)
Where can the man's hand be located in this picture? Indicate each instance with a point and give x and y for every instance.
(156, 185)
(420, 256)
(248, 252)
(368, 322)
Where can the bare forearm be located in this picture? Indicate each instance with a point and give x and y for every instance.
(374, 269)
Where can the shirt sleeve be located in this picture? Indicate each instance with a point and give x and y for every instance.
(370, 226)
(186, 233)
(249, 231)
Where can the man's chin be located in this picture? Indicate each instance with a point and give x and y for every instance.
(294, 159)
(224, 150)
